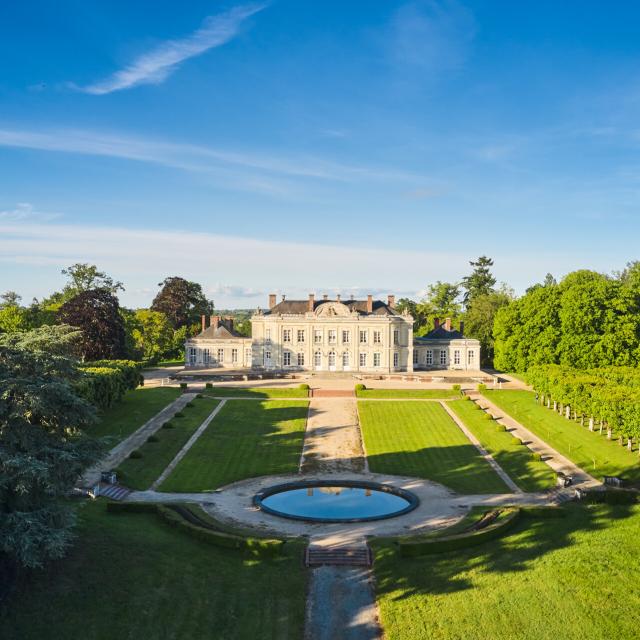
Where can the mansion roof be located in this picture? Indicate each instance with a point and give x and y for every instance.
(301, 307)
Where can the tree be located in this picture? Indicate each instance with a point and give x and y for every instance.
(97, 314)
(183, 302)
(84, 277)
(152, 334)
(480, 282)
(479, 320)
(12, 318)
(43, 448)
(441, 301)
(10, 299)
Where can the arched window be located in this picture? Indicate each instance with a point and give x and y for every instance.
(345, 359)
(332, 358)
(317, 359)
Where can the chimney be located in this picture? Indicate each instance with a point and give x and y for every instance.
(215, 321)
(461, 327)
(325, 297)
(283, 297)
(229, 320)
(436, 323)
(337, 297)
(311, 302)
(204, 322)
(272, 300)
(391, 300)
(447, 324)
(369, 303)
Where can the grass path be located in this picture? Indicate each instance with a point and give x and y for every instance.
(136, 408)
(245, 440)
(131, 576)
(425, 394)
(139, 473)
(570, 578)
(577, 443)
(515, 459)
(419, 439)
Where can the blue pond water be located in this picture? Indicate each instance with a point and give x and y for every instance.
(335, 503)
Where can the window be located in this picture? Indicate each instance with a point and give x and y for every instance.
(220, 355)
(286, 335)
(456, 356)
(443, 356)
(286, 358)
(377, 337)
(193, 354)
(429, 357)
(345, 359)
(267, 357)
(471, 357)
(363, 337)
(300, 335)
(234, 355)
(301, 359)
(247, 356)
(267, 335)
(332, 358)
(317, 359)
(346, 337)
(396, 336)
(396, 359)
(206, 356)
(363, 359)
(376, 359)
(333, 336)
(415, 357)
(317, 336)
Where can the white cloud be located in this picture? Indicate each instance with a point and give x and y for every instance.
(156, 65)
(25, 211)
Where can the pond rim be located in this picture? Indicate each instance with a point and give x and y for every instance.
(412, 500)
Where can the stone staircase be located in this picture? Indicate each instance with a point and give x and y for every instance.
(338, 556)
(114, 491)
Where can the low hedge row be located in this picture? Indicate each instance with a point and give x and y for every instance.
(461, 540)
(611, 496)
(254, 546)
(104, 382)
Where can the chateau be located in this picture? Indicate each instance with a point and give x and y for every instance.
(368, 336)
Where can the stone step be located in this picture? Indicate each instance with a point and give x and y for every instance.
(359, 556)
(114, 491)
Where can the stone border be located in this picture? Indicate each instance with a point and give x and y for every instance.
(410, 497)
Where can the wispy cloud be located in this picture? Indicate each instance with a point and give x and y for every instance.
(156, 65)
(25, 211)
(244, 169)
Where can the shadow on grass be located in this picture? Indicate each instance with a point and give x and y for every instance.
(531, 539)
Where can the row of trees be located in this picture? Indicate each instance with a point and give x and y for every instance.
(89, 300)
(608, 395)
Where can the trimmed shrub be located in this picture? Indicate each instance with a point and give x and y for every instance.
(456, 387)
(208, 385)
(611, 496)
(135, 455)
(183, 386)
(500, 427)
(179, 414)
(487, 416)
(304, 387)
(153, 438)
(536, 456)
(465, 397)
(189, 405)
(168, 425)
(199, 396)
(360, 387)
(520, 442)
(481, 387)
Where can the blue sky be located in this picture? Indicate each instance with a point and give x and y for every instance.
(353, 146)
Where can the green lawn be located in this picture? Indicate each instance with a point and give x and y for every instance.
(570, 439)
(257, 392)
(420, 439)
(141, 472)
(131, 576)
(516, 460)
(570, 578)
(133, 411)
(246, 439)
(408, 393)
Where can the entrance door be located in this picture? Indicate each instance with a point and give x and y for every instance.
(332, 360)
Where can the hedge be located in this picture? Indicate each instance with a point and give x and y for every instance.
(254, 546)
(104, 382)
(611, 496)
(461, 540)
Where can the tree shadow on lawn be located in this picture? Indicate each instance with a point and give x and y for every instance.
(459, 467)
(530, 540)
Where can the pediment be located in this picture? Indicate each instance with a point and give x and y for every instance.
(332, 309)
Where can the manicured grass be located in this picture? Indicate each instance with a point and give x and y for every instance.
(566, 578)
(132, 576)
(139, 473)
(515, 459)
(570, 439)
(420, 439)
(257, 392)
(408, 393)
(133, 411)
(246, 439)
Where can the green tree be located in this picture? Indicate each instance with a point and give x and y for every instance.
(479, 320)
(85, 277)
(10, 299)
(13, 318)
(43, 448)
(480, 282)
(441, 301)
(97, 314)
(152, 334)
(182, 302)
